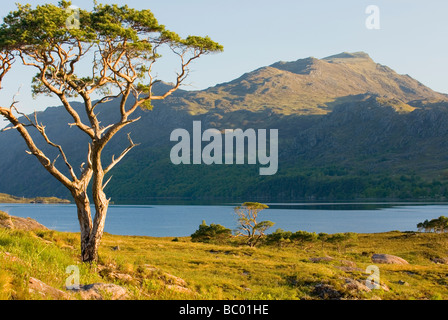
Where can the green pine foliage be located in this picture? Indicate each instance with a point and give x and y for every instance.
(439, 225)
(214, 233)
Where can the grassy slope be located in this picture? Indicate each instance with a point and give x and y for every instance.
(226, 272)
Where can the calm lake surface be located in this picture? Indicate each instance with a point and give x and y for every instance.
(182, 220)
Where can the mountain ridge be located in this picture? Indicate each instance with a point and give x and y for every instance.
(348, 128)
(310, 86)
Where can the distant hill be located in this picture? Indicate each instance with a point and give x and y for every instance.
(348, 128)
(6, 198)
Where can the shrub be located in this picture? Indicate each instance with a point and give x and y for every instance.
(279, 237)
(214, 233)
(282, 238)
(304, 236)
(341, 238)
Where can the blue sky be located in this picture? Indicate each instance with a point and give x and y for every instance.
(412, 39)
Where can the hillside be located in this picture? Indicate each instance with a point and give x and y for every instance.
(348, 128)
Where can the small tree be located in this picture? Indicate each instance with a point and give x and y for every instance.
(249, 227)
(112, 54)
(212, 233)
(439, 225)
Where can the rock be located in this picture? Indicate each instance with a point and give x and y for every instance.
(403, 283)
(388, 259)
(27, 224)
(321, 259)
(121, 276)
(440, 260)
(36, 286)
(348, 263)
(355, 285)
(170, 281)
(326, 292)
(349, 266)
(166, 277)
(102, 291)
(246, 273)
(17, 223)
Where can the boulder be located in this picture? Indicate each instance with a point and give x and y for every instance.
(36, 286)
(17, 223)
(102, 291)
(388, 259)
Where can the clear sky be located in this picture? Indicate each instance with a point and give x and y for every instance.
(412, 39)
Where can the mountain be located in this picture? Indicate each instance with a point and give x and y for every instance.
(348, 128)
(310, 86)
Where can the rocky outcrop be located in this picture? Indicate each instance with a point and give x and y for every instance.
(17, 223)
(388, 259)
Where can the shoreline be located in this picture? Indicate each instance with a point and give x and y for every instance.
(6, 198)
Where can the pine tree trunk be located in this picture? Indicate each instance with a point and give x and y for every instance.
(96, 233)
(101, 207)
(85, 222)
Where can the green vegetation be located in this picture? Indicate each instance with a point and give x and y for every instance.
(6, 198)
(286, 265)
(290, 183)
(228, 271)
(215, 233)
(436, 225)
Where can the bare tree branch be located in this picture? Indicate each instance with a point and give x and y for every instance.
(34, 150)
(41, 129)
(114, 162)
